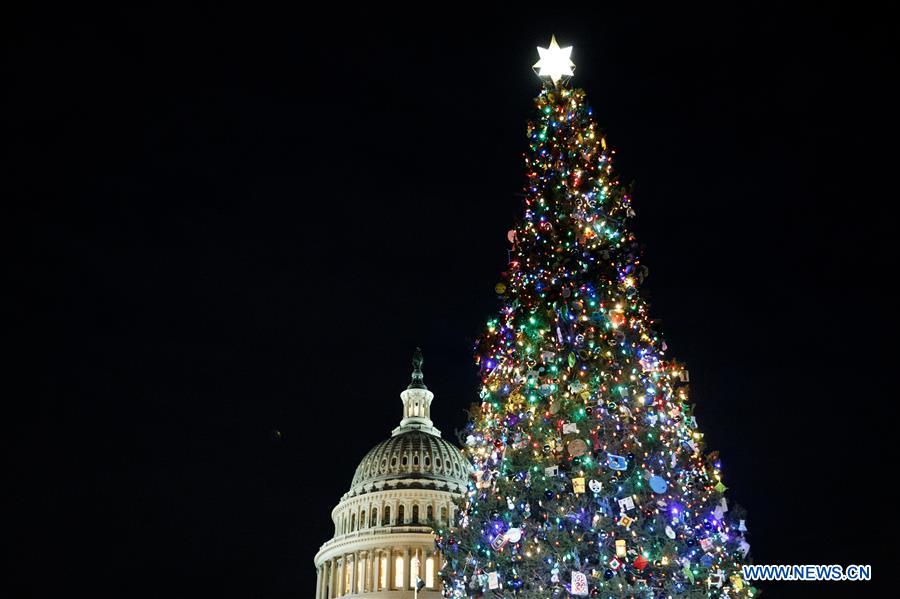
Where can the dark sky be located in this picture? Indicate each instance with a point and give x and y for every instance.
(240, 222)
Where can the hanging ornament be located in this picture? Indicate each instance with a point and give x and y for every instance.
(658, 484)
(719, 511)
(577, 448)
(514, 535)
(640, 563)
(493, 580)
(554, 574)
(595, 486)
(579, 584)
(616, 462)
(578, 485)
(626, 504)
(686, 569)
(500, 288)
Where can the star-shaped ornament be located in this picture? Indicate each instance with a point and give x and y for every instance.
(555, 62)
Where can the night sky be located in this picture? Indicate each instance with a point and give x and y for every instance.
(239, 224)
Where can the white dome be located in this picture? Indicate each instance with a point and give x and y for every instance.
(413, 459)
(383, 536)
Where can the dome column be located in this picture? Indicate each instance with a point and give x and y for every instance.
(390, 570)
(354, 572)
(366, 561)
(376, 570)
(331, 577)
(319, 582)
(407, 573)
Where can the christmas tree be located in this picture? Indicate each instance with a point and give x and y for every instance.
(590, 474)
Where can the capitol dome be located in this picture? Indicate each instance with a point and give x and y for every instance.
(411, 459)
(383, 525)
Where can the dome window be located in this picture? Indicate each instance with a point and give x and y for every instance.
(394, 462)
(415, 514)
(427, 461)
(374, 516)
(416, 460)
(401, 516)
(386, 521)
(405, 460)
(437, 463)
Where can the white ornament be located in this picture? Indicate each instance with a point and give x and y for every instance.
(514, 535)
(579, 584)
(493, 580)
(715, 579)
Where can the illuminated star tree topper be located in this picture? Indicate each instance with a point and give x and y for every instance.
(555, 62)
